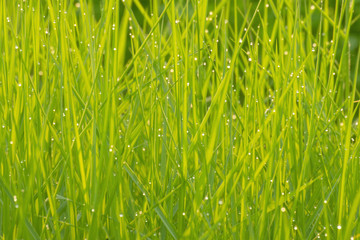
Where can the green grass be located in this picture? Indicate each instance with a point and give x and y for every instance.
(180, 119)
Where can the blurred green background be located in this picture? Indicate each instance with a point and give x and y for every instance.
(244, 5)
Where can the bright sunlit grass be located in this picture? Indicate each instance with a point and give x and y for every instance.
(179, 119)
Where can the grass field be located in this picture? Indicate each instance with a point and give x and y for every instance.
(179, 119)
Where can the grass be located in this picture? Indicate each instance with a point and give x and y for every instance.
(183, 119)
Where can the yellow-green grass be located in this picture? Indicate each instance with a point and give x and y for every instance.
(183, 119)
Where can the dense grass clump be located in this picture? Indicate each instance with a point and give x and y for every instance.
(183, 119)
